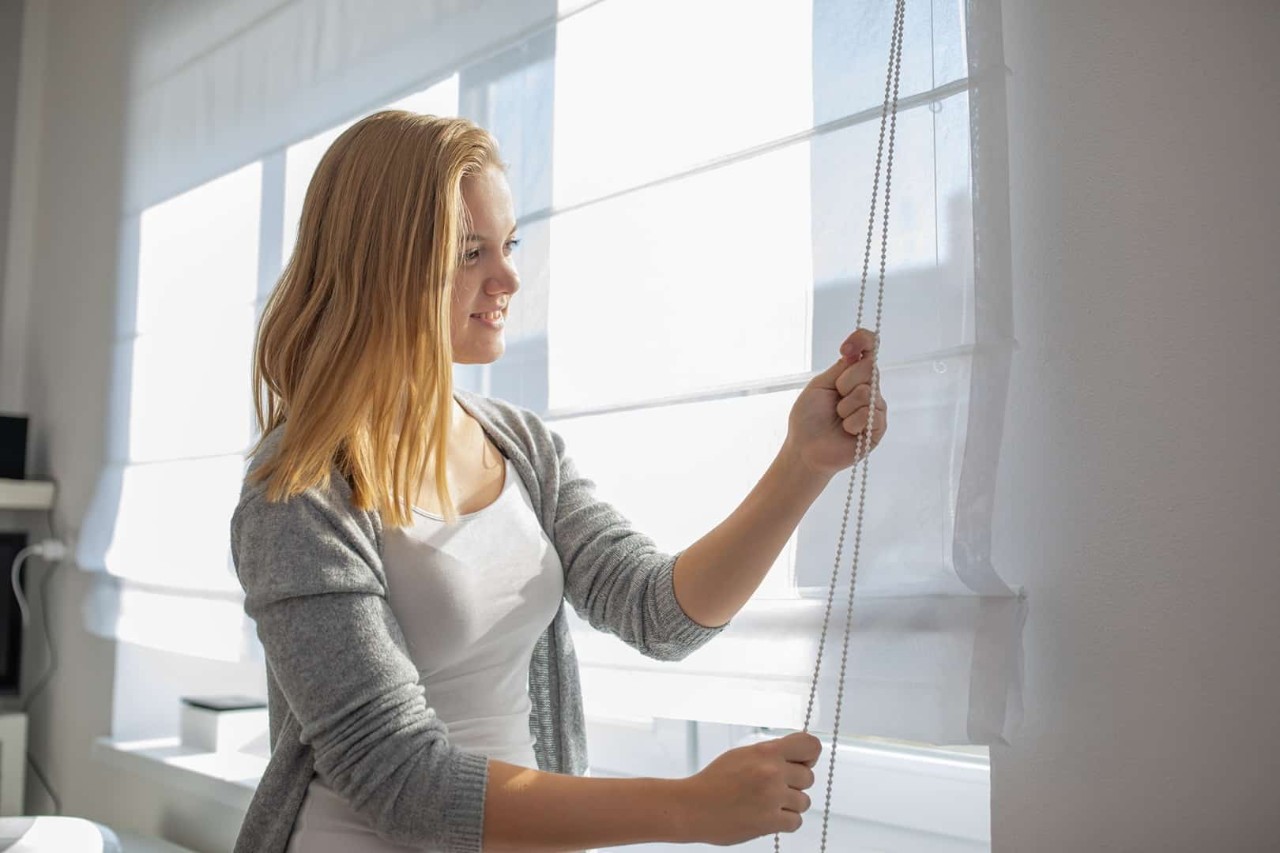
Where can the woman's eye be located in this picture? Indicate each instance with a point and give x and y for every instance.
(474, 254)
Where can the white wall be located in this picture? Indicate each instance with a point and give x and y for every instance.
(10, 50)
(1138, 476)
(1139, 498)
(61, 275)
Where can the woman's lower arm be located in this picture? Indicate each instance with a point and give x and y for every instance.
(715, 576)
(533, 811)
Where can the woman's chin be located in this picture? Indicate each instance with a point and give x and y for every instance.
(480, 355)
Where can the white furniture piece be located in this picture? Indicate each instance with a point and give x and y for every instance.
(44, 834)
(26, 494)
(13, 762)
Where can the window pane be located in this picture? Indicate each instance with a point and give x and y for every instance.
(510, 95)
(191, 388)
(645, 88)
(851, 52)
(644, 747)
(166, 523)
(440, 99)
(302, 158)
(715, 450)
(198, 252)
(520, 376)
(929, 264)
(683, 286)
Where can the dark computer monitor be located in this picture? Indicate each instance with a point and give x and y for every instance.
(10, 616)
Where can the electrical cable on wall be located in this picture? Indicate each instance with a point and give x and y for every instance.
(53, 551)
(44, 614)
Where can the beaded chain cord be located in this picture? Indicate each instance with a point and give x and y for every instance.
(889, 112)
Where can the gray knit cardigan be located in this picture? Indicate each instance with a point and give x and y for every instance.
(345, 700)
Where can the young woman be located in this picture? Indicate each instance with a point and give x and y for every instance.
(407, 548)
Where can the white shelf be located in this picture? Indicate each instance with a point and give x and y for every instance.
(26, 494)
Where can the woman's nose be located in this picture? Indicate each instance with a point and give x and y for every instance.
(510, 278)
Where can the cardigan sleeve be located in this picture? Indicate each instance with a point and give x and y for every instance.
(615, 576)
(313, 583)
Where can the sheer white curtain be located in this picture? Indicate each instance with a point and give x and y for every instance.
(692, 181)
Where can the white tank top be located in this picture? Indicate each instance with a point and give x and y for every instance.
(472, 599)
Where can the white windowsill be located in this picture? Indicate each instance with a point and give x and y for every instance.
(936, 793)
(944, 795)
(229, 778)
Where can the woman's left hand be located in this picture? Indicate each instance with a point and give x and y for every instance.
(829, 417)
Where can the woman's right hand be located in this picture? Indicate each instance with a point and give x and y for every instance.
(752, 790)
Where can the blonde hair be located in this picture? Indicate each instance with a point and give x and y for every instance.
(353, 355)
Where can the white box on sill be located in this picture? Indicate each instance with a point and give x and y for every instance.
(221, 723)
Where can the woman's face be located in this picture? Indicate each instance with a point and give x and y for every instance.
(487, 277)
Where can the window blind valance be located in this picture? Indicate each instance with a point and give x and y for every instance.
(216, 85)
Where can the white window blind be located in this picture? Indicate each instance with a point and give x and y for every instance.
(692, 182)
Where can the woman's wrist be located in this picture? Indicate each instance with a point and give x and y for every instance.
(672, 807)
(531, 810)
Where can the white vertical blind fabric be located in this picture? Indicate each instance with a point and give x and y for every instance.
(699, 223)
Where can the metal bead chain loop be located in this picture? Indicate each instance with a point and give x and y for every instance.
(889, 111)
